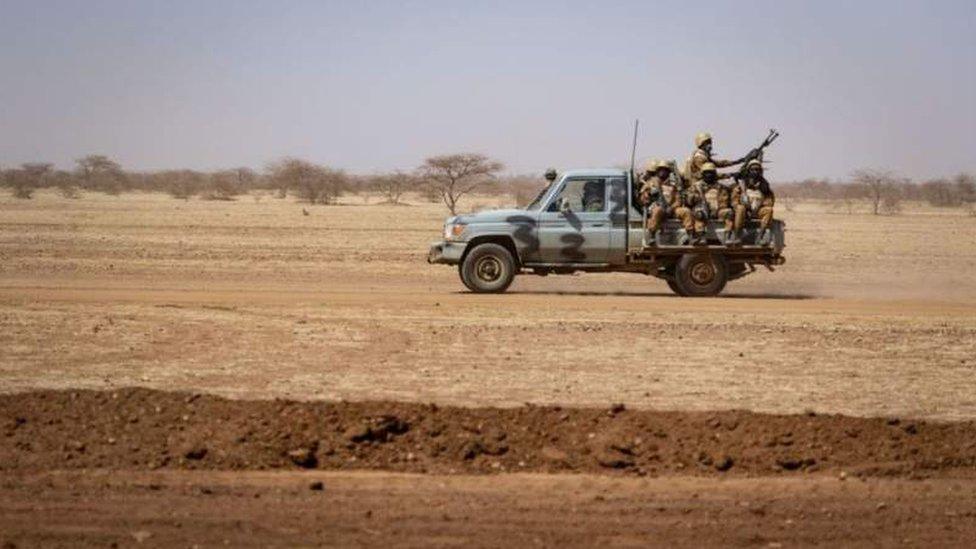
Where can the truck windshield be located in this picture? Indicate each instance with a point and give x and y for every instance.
(537, 201)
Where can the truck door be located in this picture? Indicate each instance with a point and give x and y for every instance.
(575, 225)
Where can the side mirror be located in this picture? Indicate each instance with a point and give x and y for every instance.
(564, 205)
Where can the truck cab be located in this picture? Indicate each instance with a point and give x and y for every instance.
(590, 221)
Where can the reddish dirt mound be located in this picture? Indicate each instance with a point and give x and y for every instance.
(144, 429)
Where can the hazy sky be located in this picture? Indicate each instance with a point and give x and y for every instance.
(371, 86)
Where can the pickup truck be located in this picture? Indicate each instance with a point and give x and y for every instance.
(558, 234)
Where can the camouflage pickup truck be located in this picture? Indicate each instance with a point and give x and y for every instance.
(557, 234)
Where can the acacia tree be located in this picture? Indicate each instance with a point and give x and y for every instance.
(452, 176)
(312, 183)
(100, 173)
(882, 190)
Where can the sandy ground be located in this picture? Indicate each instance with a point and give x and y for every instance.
(870, 316)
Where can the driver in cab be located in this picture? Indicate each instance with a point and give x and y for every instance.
(593, 196)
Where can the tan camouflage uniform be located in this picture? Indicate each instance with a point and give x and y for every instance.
(719, 199)
(654, 185)
(700, 157)
(760, 204)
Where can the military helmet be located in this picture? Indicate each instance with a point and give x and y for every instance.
(551, 174)
(651, 165)
(664, 164)
(702, 138)
(708, 167)
(752, 163)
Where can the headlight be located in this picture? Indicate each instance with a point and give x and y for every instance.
(453, 230)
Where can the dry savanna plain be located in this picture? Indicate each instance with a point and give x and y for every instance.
(265, 372)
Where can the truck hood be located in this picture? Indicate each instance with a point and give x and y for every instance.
(491, 216)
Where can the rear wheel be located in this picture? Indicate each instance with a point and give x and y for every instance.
(700, 275)
(488, 268)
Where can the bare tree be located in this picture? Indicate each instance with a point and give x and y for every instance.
(851, 194)
(28, 178)
(882, 190)
(965, 185)
(392, 186)
(181, 184)
(66, 183)
(98, 172)
(455, 175)
(227, 184)
(310, 182)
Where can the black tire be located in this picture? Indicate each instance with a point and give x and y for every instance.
(488, 269)
(675, 288)
(701, 275)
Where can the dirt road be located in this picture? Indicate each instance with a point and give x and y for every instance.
(176, 509)
(410, 341)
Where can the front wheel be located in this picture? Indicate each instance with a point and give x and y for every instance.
(488, 269)
(701, 275)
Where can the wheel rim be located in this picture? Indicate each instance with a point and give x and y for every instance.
(488, 269)
(702, 273)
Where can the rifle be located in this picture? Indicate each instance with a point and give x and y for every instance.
(702, 206)
(662, 203)
(740, 178)
(757, 153)
(677, 181)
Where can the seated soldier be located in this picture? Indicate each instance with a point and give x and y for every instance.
(644, 198)
(757, 202)
(711, 199)
(593, 196)
(661, 192)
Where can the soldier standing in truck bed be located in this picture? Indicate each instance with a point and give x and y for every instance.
(703, 155)
(759, 201)
(661, 193)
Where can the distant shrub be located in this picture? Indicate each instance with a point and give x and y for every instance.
(310, 182)
(181, 184)
(23, 190)
(228, 184)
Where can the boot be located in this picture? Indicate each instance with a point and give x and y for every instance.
(731, 238)
(651, 239)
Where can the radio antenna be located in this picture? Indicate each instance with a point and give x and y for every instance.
(633, 150)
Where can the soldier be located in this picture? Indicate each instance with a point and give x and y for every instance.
(649, 168)
(593, 197)
(758, 201)
(661, 193)
(711, 199)
(703, 155)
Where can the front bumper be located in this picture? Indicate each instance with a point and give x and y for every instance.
(446, 253)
